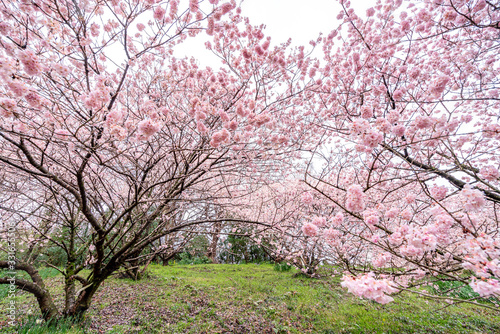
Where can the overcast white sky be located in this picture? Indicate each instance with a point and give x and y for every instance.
(301, 20)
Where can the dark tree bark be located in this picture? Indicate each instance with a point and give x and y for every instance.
(212, 248)
(36, 287)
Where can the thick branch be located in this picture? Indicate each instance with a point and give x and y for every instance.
(453, 180)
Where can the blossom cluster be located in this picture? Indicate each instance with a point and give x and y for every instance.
(355, 199)
(99, 96)
(474, 198)
(486, 288)
(483, 256)
(220, 137)
(147, 128)
(367, 286)
(310, 229)
(31, 63)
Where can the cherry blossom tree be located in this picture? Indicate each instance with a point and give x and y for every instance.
(296, 236)
(110, 143)
(409, 110)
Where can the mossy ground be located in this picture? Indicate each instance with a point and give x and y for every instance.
(214, 298)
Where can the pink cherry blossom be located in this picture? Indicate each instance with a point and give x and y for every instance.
(338, 219)
(201, 128)
(423, 122)
(366, 286)
(7, 107)
(355, 199)
(193, 6)
(366, 113)
(486, 288)
(33, 99)
(372, 138)
(331, 234)
(226, 8)
(30, 61)
(438, 192)
(381, 260)
(114, 117)
(319, 221)
(398, 130)
(310, 230)
(118, 132)
(406, 214)
(359, 126)
(439, 85)
(220, 137)
(223, 116)
(474, 199)
(489, 173)
(147, 128)
(17, 87)
(392, 213)
(159, 13)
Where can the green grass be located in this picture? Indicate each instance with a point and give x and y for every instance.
(214, 298)
(44, 273)
(33, 325)
(454, 289)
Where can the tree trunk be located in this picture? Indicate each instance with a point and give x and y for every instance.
(69, 287)
(167, 257)
(36, 287)
(69, 291)
(212, 249)
(47, 306)
(84, 300)
(132, 271)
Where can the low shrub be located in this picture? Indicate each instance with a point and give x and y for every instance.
(282, 266)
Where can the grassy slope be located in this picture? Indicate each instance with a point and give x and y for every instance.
(256, 299)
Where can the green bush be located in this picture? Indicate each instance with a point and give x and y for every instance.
(453, 289)
(241, 249)
(187, 258)
(198, 246)
(282, 266)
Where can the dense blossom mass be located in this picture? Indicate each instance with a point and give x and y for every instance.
(409, 103)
